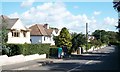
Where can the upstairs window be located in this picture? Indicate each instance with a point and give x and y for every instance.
(15, 34)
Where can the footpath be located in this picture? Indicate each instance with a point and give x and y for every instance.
(27, 64)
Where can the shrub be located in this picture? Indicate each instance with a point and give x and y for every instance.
(27, 49)
(53, 51)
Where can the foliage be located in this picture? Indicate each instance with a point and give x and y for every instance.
(77, 41)
(53, 51)
(27, 49)
(106, 36)
(3, 31)
(73, 35)
(116, 5)
(64, 38)
(3, 35)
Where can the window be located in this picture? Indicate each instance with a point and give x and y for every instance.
(15, 34)
(44, 38)
(24, 34)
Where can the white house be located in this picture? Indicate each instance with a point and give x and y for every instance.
(43, 34)
(90, 37)
(17, 33)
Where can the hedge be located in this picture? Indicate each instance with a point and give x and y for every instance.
(54, 51)
(26, 49)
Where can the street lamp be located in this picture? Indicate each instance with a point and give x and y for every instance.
(86, 36)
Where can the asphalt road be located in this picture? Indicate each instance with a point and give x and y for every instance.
(105, 59)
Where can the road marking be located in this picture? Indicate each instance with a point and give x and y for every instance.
(80, 66)
(74, 68)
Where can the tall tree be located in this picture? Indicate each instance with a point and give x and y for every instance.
(116, 5)
(3, 30)
(77, 41)
(64, 38)
(3, 34)
(101, 35)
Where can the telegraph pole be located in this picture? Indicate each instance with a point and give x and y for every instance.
(86, 36)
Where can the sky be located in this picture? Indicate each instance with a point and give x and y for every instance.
(72, 15)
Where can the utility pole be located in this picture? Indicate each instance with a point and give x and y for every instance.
(86, 36)
(100, 35)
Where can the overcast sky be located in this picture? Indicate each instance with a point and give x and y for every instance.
(73, 15)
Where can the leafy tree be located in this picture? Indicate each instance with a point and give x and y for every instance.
(3, 34)
(77, 41)
(101, 35)
(73, 35)
(3, 31)
(64, 38)
(116, 5)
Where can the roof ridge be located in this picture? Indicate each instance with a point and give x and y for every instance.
(39, 29)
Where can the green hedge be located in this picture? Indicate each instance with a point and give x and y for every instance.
(54, 51)
(27, 49)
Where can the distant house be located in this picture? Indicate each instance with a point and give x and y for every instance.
(90, 37)
(17, 33)
(43, 34)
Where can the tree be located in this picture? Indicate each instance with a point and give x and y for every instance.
(116, 5)
(3, 35)
(73, 35)
(64, 38)
(101, 35)
(77, 41)
(3, 30)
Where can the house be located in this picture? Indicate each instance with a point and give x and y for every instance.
(90, 37)
(43, 34)
(17, 33)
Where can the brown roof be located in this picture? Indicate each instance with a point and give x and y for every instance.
(39, 29)
(5, 21)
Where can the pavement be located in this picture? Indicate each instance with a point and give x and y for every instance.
(32, 63)
(99, 60)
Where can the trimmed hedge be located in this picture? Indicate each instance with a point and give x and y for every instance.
(27, 49)
(54, 51)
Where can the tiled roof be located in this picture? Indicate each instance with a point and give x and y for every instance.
(5, 21)
(39, 29)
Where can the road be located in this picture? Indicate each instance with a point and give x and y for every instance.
(105, 59)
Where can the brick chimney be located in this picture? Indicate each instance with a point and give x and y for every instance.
(46, 26)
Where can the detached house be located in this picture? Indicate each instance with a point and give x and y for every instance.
(43, 34)
(17, 33)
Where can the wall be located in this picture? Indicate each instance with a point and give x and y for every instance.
(40, 39)
(5, 60)
(36, 39)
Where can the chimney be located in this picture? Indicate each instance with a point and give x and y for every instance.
(46, 26)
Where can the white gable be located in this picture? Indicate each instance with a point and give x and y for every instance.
(18, 25)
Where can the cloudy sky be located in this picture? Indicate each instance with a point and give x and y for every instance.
(73, 15)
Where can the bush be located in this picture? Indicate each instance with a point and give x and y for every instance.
(89, 46)
(53, 51)
(27, 49)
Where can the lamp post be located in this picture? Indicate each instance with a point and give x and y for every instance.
(86, 36)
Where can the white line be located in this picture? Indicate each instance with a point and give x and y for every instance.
(89, 62)
(80, 65)
(74, 68)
